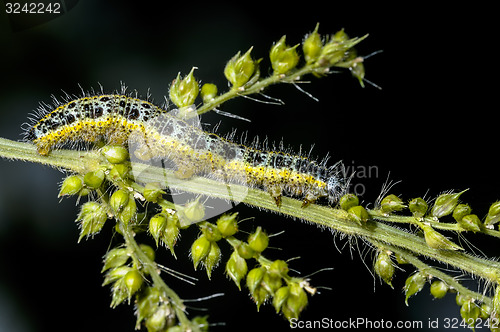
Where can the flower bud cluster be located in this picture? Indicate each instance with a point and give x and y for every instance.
(126, 279)
(154, 310)
(164, 227)
(240, 71)
(205, 249)
(183, 91)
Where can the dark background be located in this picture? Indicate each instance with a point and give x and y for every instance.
(433, 126)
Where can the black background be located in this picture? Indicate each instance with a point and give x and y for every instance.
(434, 125)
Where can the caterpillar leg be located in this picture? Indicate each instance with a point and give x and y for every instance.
(275, 192)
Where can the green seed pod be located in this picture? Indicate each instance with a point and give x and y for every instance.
(439, 289)
(171, 232)
(227, 224)
(194, 211)
(470, 313)
(391, 203)
(129, 211)
(147, 303)
(271, 282)
(119, 171)
(157, 224)
(414, 284)
(259, 240)
(183, 92)
(212, 259)
(460, 211)
(312, 46)
(119, 200)
(115, 257)
(159, 320)
(240, 69)
(208, 92)
(115, 154)
(383, 267)
(283, 58)
(296, 302)
(493, 216)
(470, 222)
(150, 252)
(71, 186)
(92, 218)
(418, 207)
(278, 268)
(259, 296)
(280, 297)
(115, 274)
(211, 232)
(358, 214)
(199, 250)
(133, 281)
(152, 192)
(460, 299)
(358, 71)
(348, 201)
(485, 311)
(236, 268)
(445, 204)
(245, 251)
(438, 241)
(95, 179)
(254, 278)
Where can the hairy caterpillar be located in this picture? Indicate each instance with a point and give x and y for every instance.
(122, 119)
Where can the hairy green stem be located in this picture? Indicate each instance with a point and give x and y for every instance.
(335, 219)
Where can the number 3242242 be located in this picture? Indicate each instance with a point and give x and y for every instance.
(32, 8)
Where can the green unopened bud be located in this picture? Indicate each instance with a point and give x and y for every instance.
(358, 71)
(445, 204)
(470, 313)
(129, 211)
(245, 251)
(418, 207)
(115, 274)
(208, 92)
(119, 200)
(147, 304)
(193, 211)
(148, 251)
(115, 258)
(119, 171)
(280, 297)
(227, 224)
(157, 224)
(460, 299)
(414, 284)
(358, 214)
(92, 218)
(312, 46)
(278, 268)
(254, 278)
(272, 282)
(493, 216)
(199, 250)
(470, 222)
(460, 211)
(259, 240)
(485, 311)
(133, 281)
(383, 267)
(183, 92)
(391, 203)
(236, 268)
(296, 302)
(152, 192)
(240, 69)
(171, 232)
(71, 186)
(158, 321)
(283, 58)
(94, 180)
(438, 241)
(211, 232)
(212, 259)
(115, 154)
(439, 289)
(348, 201)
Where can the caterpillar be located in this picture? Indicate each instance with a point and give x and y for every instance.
(124, 119)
